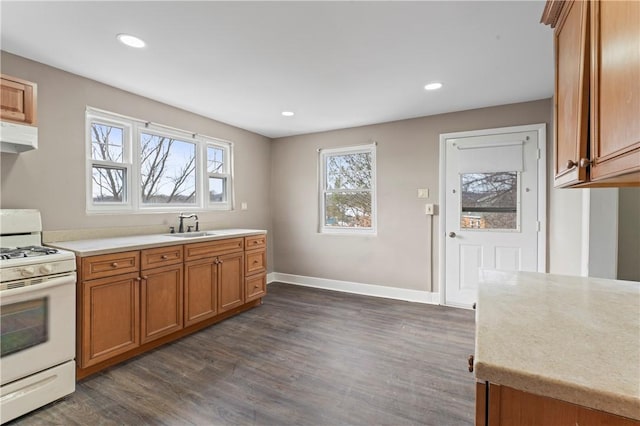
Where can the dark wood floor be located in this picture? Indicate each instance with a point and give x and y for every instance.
(305, 357)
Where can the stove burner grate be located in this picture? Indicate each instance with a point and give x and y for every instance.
(26, 251)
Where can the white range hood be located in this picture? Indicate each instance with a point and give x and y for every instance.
(16, 138)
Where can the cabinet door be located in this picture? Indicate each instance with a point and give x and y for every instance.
(18, 100)
(615, 90)
(110, 317)
(231, 279)
(571, 93)
(200, 290)
(161, 297)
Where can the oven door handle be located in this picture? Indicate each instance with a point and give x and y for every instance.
(46, 284)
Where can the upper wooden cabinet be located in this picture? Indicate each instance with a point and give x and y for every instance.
(597, 92)
(19, 99)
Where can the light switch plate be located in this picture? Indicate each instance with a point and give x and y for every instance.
(429, 209)
(243, 206)
(423, 192)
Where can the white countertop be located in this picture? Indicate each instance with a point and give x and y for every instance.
(136, 242)
(571, 338)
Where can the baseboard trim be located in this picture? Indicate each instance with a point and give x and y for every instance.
(357, 288)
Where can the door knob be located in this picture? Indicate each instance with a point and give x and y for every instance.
(452, 234)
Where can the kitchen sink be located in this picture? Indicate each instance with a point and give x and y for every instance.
(191, 234)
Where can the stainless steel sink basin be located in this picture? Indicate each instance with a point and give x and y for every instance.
(191, 234)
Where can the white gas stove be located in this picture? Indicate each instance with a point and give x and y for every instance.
(37, 317)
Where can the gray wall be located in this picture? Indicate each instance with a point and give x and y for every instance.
(629, 234)
(404, 253)
(52, 178)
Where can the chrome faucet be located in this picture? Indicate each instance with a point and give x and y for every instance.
(182, 217)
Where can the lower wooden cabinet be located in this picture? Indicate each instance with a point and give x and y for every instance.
(498, 405)
(130, 302)
(161, 302)
(110, 317)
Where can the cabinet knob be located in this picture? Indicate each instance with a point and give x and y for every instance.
(164, 257)
(114, 265)
(138, 279)
(470, 363)
(584, 162)
(255, 262)
(144, 277)
(571, 164)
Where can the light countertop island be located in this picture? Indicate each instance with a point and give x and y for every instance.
(574, 339)
(92, 247)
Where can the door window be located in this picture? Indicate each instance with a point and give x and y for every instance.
(489, 201)
(23, 325)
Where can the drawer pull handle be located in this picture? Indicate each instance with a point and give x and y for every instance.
(255, 262)
(164, 257)
(114, 265)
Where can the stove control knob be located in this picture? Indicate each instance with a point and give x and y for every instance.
(46, 269)
(28, 271)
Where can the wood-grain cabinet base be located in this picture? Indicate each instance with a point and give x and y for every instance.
(498, 405)
(133, 301)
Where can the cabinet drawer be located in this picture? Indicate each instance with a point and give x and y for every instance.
(255, 242)
(213, 248)
(107, 265)
(160, 256)
(255, 287)
(255, 262)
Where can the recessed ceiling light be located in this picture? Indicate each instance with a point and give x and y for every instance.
(131, 41)
(288, 113)
(433, 86)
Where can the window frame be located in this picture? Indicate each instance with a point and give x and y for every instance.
(324, 154)
(227, 175)
(132, 193)
(126, 165)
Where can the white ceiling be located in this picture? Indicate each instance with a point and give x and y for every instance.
(336, 64)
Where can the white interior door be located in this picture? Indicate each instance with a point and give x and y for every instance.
(491, 212)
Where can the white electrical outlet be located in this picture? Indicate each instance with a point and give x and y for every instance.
(429, 209)
(423, 192)
(243, 206)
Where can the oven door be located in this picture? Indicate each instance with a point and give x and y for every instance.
(37, 325)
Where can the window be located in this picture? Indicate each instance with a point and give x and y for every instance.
(110, 165)
(347, 190)
(137, 166)
(489, 201)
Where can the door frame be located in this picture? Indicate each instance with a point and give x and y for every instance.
(542, 193)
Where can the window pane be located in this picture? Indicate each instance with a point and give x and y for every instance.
(168, 170)
(215, 160)
(107, 142)
(108, 184)
(348, 209)
(349, 171)
(489, 200)
(217, 192)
